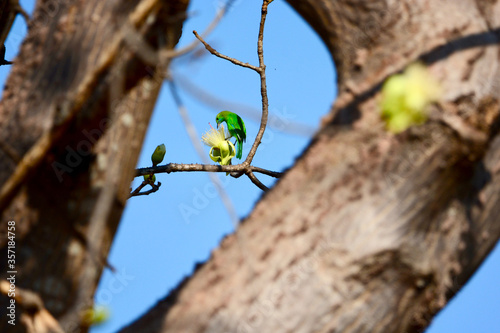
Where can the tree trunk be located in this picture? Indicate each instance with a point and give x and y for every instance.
(73, 117)
(369, 231)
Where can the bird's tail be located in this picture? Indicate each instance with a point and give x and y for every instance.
(239, 150)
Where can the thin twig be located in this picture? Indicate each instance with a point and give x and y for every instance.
(257, 181)
(266, 172)
(179, 167)
(154, 188)
(188, 124)
(139, 188)
(225, 57)
(263, 85)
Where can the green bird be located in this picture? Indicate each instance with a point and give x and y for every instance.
(236, 128)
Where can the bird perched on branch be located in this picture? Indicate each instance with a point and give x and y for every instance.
(236, 128)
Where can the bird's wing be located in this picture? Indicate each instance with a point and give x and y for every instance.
(242, 129)
(240, 135)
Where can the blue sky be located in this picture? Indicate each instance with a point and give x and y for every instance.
(163, 235)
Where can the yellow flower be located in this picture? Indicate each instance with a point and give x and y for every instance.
(405, 97)
(222, 150)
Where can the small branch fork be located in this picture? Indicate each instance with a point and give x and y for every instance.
(137, 192)
(245, 167)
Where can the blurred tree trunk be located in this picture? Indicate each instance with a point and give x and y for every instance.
(73, 116)
(368, 232)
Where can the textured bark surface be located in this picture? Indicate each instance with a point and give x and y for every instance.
(368, 232)
(77, 85)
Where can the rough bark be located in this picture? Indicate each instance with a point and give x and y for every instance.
(368, 231)
(72, 120)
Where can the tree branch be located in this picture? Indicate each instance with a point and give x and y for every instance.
(256, 181)
(263, 85)
(225, 57)
(137, 192)
(180, 167)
